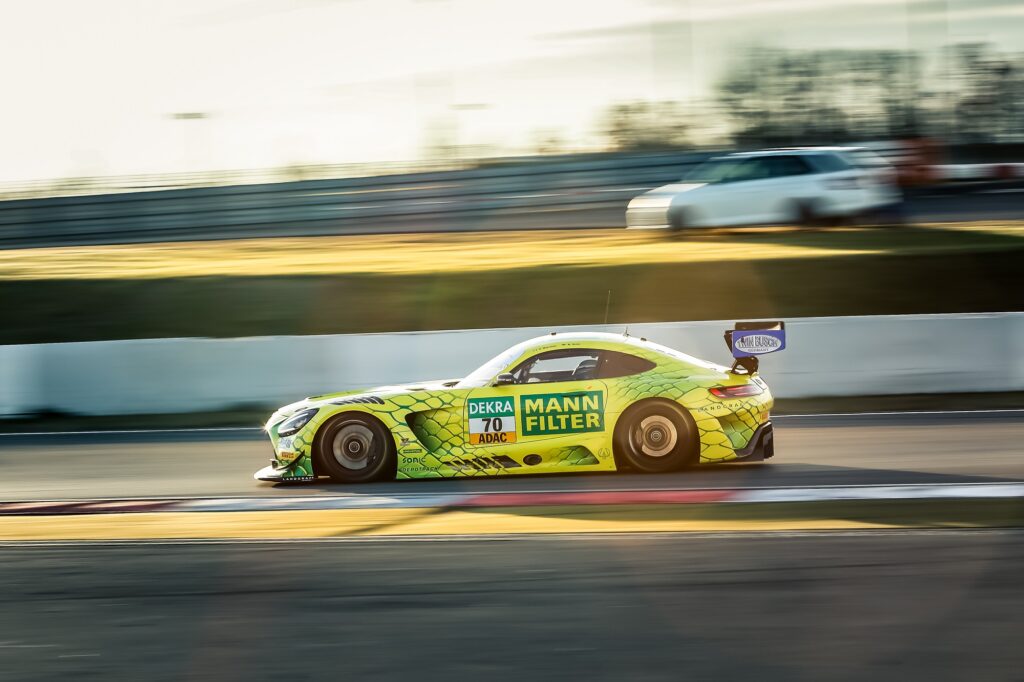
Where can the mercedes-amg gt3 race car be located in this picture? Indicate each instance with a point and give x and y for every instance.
(558, 403)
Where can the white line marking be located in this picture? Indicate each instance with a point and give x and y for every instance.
(507, 537)
(1008, 410)
(1010, 488)
(133, 431)
(467, 493)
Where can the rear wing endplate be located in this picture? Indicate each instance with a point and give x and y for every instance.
(750, 339)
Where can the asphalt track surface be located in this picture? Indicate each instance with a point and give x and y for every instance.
(975, 447)
(843, 605)
(881, 605)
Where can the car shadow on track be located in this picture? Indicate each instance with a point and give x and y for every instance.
(747, 475)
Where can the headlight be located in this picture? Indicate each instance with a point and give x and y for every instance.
(295, 422)
(648, 201)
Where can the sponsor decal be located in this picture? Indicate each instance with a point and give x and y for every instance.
(484, 463)
(757, 342)
(492, 421)
(287, 457)
(361, 400)
(724, 407)
(557, 413)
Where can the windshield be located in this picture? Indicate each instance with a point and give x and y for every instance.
(483, 374)
(715, 170)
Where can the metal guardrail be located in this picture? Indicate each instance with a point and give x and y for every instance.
(337, 205)
(422, 201)
(119, 184)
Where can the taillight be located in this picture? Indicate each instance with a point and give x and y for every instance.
(742, 391)
(842, 183)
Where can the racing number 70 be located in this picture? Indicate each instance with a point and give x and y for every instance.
(492, 424)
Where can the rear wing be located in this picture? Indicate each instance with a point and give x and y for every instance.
(750, 339)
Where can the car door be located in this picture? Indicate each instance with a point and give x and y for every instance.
(787, 190)
(553, 409)
(739, 199)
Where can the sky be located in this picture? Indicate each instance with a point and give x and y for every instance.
(93, 87)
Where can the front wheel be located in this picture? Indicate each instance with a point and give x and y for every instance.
(656, 437)
(679, 219)
(354, 448)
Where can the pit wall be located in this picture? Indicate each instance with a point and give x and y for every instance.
(825, 356)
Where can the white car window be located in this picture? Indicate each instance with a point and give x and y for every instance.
(786, 166)
(751, 169)
(713, 171)
(729, 169)
(830, 163)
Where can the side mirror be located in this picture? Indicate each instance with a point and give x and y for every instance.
(504, 379)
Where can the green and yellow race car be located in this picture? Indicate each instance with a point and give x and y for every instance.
(558, 403)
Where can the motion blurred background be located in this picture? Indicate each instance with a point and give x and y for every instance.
(210, 208)
(267, 167)
(174, 122)
(287, 90)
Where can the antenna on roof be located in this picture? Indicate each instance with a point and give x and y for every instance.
(607, 305)
(625, 332)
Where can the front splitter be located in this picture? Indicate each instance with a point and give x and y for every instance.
(274, 475)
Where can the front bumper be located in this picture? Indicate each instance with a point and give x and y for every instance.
(295, 472)
(647, 218)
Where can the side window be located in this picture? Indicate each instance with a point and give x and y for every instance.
(786, 166)
(615, 364)
(829, 163)
(568, 364)
(751, 169)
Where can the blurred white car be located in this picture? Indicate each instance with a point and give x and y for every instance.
(775, 187)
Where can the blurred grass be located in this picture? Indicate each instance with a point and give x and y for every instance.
(440, 253)
(323, 285)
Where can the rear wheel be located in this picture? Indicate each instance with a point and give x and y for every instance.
(355, 448)
(805, 214)
(656, 436)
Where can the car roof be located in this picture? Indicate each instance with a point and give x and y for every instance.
(599, 340)
(586, 337)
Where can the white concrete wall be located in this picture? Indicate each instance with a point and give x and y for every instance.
(824, 357)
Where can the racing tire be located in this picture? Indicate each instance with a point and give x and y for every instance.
(656, 436)
(355, 448)
(805, 215)
(678, 220)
